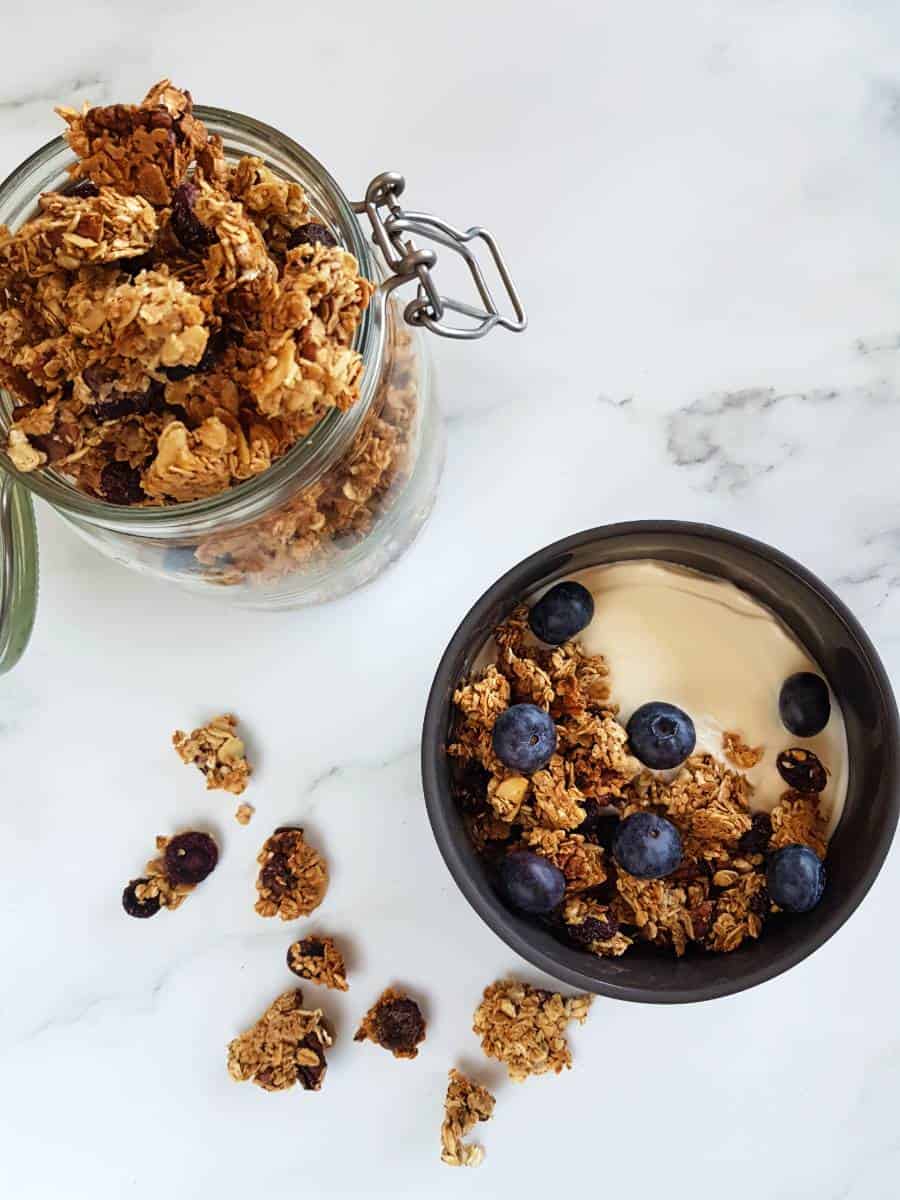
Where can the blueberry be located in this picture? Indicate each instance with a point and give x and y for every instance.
(795, 878)
(661, 735)
(804, 704)
(802, 770)
(524, 737)
(530, 882)
(190, 857)
(561, 613)
(647, 846)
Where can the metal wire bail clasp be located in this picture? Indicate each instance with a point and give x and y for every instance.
(392, 228)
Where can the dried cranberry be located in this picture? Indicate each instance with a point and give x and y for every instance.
(186, 225)
(84, 189)
(756, 839)
(134, 905)
(399, 1024)
(121, 484)
(310, 234)
(802, 770)
(190, 857)
(310, 1078)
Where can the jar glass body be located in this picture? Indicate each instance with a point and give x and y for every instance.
(341, 504)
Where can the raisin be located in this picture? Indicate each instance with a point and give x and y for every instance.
(470, 782)
(96, 376)
(190, 857)
(598, 825)
(186, 225)
(310, 234)
(84, 189)
(701, 919)
(802, 770)
(399, 1024)
(121, 484)
(309, 1077)
(759, 902)
(128, 404)
(134, 266)
(136, 907)
(312, 948)
(756, 839)
(593, 929)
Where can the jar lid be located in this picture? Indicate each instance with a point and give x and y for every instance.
(18, 571)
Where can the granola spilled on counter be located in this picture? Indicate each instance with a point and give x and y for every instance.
(524, 1027)
(175, 322)
(319, 960)
(293, 876)
(550, 826)
(465, 1105)
(394, 1022)
(285, 1046)
(182, 862)
(217, 751)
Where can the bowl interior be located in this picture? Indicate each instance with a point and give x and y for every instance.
(834, 639)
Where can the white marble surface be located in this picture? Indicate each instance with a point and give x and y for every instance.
(700, 202)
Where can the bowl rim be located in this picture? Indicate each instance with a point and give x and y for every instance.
(439, 805)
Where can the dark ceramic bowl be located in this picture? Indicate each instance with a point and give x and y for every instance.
(835, 640)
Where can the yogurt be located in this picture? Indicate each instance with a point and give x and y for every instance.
(701, 643)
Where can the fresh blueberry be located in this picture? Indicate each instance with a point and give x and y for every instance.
(561, 613)
(795, 878)
(647, 846)
(804, 704)
(524, 737)
(802, 770)
(530, 882)
(661, 735)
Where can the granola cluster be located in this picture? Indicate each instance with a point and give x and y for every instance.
(176, 322)
(524, 1027)
(180, 864)
(293, 876)
(217, 751)
(320, 961)
(716, 899)
(394, 1022)
(465, 1105)
(285, 1046)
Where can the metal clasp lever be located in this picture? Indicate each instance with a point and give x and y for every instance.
(391, 230)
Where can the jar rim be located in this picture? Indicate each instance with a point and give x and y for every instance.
(313, 453)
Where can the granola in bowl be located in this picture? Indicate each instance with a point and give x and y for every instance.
(613, 818)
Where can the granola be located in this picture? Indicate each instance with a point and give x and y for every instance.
(243, 814)
(168, 313)
(465, 1105)
(180, 864)
(318, 959)
(293, 876)
(217, 751)
(285, 1046)
(524, 1027)
(715, 900)
(394, 1022)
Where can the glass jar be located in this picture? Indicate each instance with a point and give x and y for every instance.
(342, 503)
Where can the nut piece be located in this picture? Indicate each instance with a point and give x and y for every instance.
(524, 1027)
(243, 813)
(466, 1104)
(395, 1022)
(217, 751)
(286, 1046)
(293, 877)
(318, 960)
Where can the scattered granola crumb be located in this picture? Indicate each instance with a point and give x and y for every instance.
(395, 1022)
(286, 1046)
(182, 862)
(524, 1027)
(319, 960)
(243, 813)
(465, 1105)
(293, 877)
(217, 751)
(739, 753)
